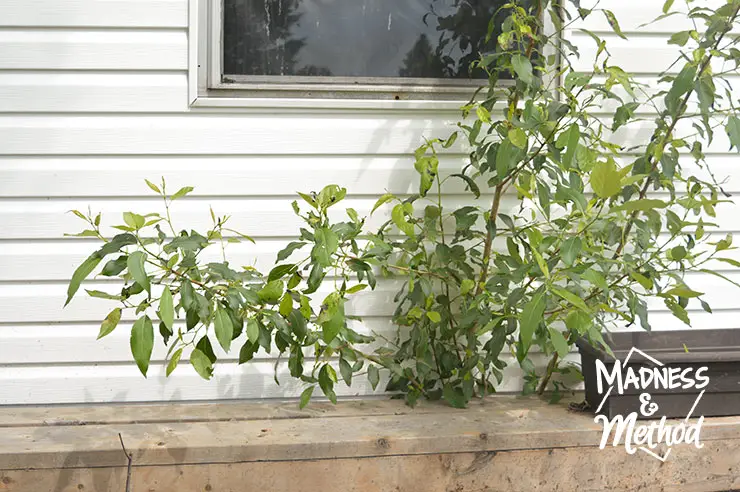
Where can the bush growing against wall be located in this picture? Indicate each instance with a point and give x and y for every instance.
(568, 233)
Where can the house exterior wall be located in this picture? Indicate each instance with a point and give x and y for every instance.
(94, 98)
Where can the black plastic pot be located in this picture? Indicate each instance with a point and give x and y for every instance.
(717, 350)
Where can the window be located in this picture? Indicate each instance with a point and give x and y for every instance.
(396, 49)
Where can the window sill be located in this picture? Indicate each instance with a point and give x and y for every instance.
(262, 103)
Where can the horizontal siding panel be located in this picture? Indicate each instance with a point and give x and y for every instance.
(269, 217)
(93, 50)
(70, 344)
(250, 176)
(217, 134)
(248, 135)
(214, 175)
(77, 344)
(44, 303)
(54, 261)
(632, 14)
(661, 54)
(102, 92)
(94, 13)
(645, 88)
(123, 383)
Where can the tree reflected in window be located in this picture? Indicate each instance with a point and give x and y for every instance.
(357, 38)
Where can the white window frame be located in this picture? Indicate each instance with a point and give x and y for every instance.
(206, 89)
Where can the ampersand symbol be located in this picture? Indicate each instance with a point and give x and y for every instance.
(647, 408)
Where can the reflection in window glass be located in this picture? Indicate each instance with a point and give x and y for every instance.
(356, 38)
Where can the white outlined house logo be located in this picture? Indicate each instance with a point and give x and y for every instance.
(650, 436)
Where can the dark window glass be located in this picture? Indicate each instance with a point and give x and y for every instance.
(357, 38)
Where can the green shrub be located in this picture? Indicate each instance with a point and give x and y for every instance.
(574, 231)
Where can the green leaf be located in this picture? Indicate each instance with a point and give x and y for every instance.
(504, 159)
(373, 375)
(682, 84)
(271, 292)
(306, 396)
(142, 342)
(253, 330)
(571, 298)
(80, 274)
(574, 134)
(434, 316)
(733, 131)
(289, 249)
(399, 219)
(667, 6)
(450, 141)
(678, 253)
(623, 114)
(135, 264)
(327, 378)
(730, 261)
(641, 205)
(115, 244)
(466, 286)
(523, 68)
(281, 271)
(454, 396)
(330, 195)
(182, 192)
(135, 221)
(559, 342)
(356, 288)
(530, 317)
(541, 263)
(612, 20)
(427, 167)
(286, 305)
(678, 311)
(224, 328)
(518, 137)
(154, 187)
(103, 295)
(683, 291)
(114, 267)
(570, 249)
(642, 280)
(680, 38)
(172, 364)
(201, 363)
(595, 278)
(578, 321)
(326, 245)
(167, 308)
(109, 323)
(469, 181)
(483, 114)
(381, 201)
(335, 321)
(605, 179)
(346, 371)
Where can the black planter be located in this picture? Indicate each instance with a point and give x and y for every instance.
(717, 350)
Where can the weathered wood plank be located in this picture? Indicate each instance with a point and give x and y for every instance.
(712, 468)
(490, 426)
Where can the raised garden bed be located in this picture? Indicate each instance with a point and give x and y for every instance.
(504, 443)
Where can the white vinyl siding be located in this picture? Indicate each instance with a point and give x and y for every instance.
(94, 98)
